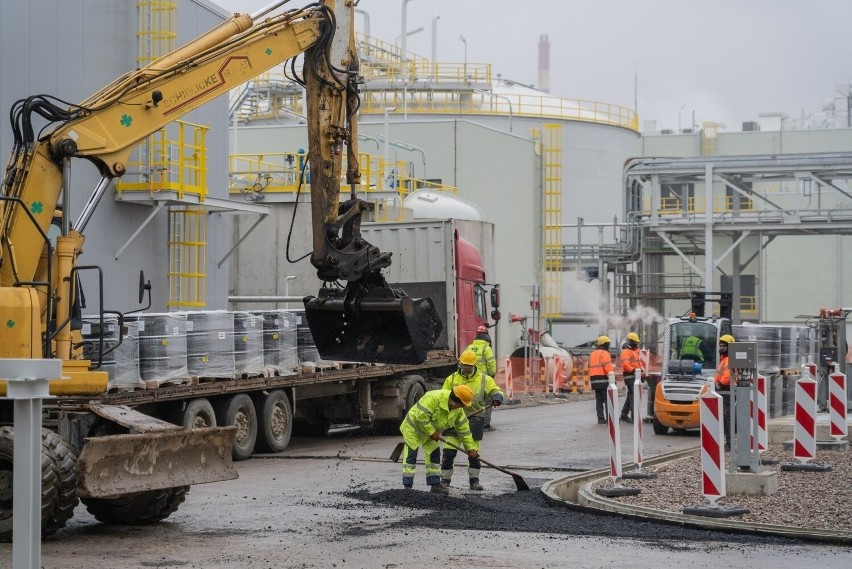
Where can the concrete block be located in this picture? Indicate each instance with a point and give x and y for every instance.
(780, 430)
(751, 483)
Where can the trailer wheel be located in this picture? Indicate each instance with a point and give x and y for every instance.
(275, 421)
(239, 411)
(58, 482)
(415, 390)
(659, 428)
(199, 414)
(138, 507)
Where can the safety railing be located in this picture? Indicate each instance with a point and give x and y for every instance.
(177, 162)
(673, 205)
(386, 183)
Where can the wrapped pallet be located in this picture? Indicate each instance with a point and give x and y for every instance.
(248, 344)
(162, 348)
(280, 355)
(307, 349)
(119, 359)
(210, 344)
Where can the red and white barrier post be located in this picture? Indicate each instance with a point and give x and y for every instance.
(712, 446)
(557, 370)
(612, 413)
(638, 418)
(510, 390)
(759, 415)
(713, 457)
(804, 430)
(838, 429)
(615, 472)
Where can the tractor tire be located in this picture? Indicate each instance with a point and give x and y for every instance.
(198, 414)
(58, 482)
(137, 508)
(275, 421)
(659, 428)
(239, 411)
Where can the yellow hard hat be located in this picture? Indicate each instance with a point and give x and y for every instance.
(633, 336)
(727, 338)
(464, 394)
(603, 340)
(468, 358)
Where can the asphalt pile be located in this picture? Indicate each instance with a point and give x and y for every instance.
(526, 512)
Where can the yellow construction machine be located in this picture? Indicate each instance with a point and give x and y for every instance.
(128, 466)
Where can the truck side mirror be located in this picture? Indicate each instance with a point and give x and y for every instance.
(495, 297)
(495, 315)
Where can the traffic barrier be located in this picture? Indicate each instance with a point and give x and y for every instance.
(712, 446)
(838, 428)
(612, 413)
(638, 418)
(580, 380)
(645, 359)
(510, 389)
(804, 430)
(762, 438)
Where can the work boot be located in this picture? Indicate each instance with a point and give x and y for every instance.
(475, 485)
(440, 489)
(626, 420)
(601, 421)
(407, 486)
(445, 483)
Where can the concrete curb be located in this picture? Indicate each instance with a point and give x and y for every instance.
(575, 492)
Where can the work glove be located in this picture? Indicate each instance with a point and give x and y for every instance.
(436, 436)
(473, 454)
(496, 402)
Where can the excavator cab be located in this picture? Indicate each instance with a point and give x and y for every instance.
(375, 325)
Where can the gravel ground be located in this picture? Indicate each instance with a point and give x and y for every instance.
(812, 500)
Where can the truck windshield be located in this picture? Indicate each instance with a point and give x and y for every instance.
(694, 341)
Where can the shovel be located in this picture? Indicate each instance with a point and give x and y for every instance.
(397, 451)
(520, 483)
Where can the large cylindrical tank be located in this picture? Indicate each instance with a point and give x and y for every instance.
(440, 205)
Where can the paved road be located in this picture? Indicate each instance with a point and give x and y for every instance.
(336, 502)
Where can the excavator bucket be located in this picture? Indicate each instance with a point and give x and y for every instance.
(381, 325)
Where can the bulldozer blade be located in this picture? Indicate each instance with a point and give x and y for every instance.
(382, 325)
(114, 465)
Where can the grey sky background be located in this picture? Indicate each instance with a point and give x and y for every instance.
(726, 60)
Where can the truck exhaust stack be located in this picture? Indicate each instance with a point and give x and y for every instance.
(379, 325)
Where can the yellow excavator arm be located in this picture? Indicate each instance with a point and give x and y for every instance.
(363, 321)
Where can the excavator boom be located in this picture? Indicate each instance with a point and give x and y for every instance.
(363, 319)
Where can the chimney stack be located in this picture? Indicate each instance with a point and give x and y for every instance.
(544, 64)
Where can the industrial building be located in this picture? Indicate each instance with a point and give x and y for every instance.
(547, 171)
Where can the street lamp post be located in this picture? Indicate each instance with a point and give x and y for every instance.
(435, 19)
(402, 54)
(679, 129)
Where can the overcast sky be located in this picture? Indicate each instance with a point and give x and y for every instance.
(726, 60)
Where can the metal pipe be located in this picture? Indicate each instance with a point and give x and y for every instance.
(265, 298)
(90, 206)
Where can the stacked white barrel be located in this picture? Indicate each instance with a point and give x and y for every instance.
(838, 429)
(712, 445)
